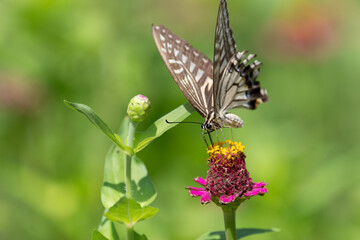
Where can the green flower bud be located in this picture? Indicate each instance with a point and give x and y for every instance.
(138, 108)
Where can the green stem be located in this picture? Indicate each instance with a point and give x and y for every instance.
(230, 226)
(130, 143)
(128, 176)
(131, 133)
(130, 233)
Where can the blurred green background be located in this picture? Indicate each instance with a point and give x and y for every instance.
(303, 142)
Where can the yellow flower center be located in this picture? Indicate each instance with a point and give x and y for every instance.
(228, 149)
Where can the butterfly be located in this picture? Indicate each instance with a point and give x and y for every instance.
(213, 88)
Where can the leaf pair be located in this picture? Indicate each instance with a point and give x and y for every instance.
(128, 211)
(142, 139)
(143, 190)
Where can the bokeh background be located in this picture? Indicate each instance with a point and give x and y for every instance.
(303, 142)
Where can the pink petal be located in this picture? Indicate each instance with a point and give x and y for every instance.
(249, 194)
(195, 188)
(262, 190)
(200, 180)
(196, 193)
(259, 185)
(256, 191)
(205, 198)
(142, 96)
(226, 199)
(252, 192)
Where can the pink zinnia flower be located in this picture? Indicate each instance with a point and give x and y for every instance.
(228, 180)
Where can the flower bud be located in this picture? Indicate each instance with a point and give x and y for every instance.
(138, 108)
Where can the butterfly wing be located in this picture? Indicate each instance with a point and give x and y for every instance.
(238, 87)
(224, 48)
(191, 70)
(235, 84)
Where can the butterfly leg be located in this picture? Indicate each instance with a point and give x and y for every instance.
(208, 132)
(210, 138)
(224, 137)
(232, 134)
(203, 135)
(217, 136)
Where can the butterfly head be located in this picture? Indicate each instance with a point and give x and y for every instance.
(211, 124)
(207, 126)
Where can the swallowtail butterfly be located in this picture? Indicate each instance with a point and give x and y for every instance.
(213, 89)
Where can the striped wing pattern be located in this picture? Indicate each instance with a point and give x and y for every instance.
(191, 70)
(238, 86)
(235, 84)
(224, 46)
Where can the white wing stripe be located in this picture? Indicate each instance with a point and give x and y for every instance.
(178, 71)
(223, 65)
(207, 86)
(174, 61)
(184, 58)
(192, 66)
(176, 52)
(199, 74)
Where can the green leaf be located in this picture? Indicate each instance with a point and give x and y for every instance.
(128, 211)
(240, 233)
(243, 232)
(100, 124)
(108, 229)
(142, 139)
(140, 237)
(143, 190)
(98, 236)
(124, 128)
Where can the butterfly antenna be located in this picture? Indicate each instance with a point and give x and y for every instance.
(180, 122)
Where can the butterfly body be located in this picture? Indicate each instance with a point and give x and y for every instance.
(222, 120)
(213, 88)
